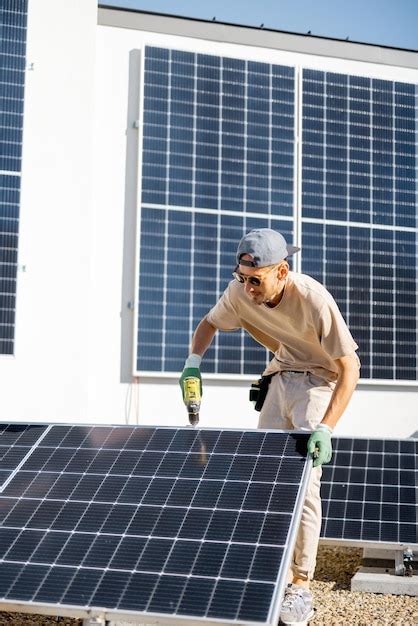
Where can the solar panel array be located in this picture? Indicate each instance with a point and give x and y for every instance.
(218, 159)
(161, 521)
(359, 211)
(370, 491)
(13, 18)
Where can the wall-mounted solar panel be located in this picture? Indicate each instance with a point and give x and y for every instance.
(13, 18)
(370, 492)
(150, 522)
(217, 159)
(359, 229)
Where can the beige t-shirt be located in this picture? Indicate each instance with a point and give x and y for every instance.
(305, 331)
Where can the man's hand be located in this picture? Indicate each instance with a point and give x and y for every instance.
(319, 445)
(191, 369)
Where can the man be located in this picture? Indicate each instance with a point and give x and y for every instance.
(315, 371)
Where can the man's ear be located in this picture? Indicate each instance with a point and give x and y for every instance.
(283, 270)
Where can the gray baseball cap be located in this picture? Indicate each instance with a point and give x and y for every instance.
(266, 246)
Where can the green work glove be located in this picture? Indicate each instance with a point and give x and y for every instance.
(319, 445)
(191, 369)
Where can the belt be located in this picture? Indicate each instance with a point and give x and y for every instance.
(293, 372)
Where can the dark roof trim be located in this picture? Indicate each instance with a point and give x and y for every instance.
(254, 28)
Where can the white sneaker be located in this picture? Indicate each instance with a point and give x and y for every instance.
(296, 606)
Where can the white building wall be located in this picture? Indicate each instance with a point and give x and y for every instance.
(74, 342)
(374, 411)
(47, 377)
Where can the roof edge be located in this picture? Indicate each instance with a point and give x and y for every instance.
(255, 28)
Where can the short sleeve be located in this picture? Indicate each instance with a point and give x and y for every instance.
(335, 336)
(223, 315)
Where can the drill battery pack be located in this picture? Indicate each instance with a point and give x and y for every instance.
(258, 391)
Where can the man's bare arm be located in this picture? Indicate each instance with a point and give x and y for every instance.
(202, 337)
(347, 380)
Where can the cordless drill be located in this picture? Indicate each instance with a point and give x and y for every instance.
(192, 398)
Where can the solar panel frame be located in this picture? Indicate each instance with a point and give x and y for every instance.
(348, 493)
(36, 572)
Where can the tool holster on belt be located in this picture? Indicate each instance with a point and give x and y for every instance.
(259, 391)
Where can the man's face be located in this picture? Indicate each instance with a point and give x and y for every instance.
(271, 281)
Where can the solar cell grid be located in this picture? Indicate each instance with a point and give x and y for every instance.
(358, 167)
(192, 279)
(369, 492)
(197, 523)
(16, 441)
(217, 141)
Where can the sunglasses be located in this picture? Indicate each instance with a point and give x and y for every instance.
(253, 280)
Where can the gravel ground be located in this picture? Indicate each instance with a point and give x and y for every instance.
(334, 602)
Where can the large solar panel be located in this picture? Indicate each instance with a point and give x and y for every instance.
(217, 160)
(370, 492)
(145, 521)
(359, 210)
(13, 17)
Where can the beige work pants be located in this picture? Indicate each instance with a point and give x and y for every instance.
(299, 401)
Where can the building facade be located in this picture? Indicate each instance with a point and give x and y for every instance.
(150, 145)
